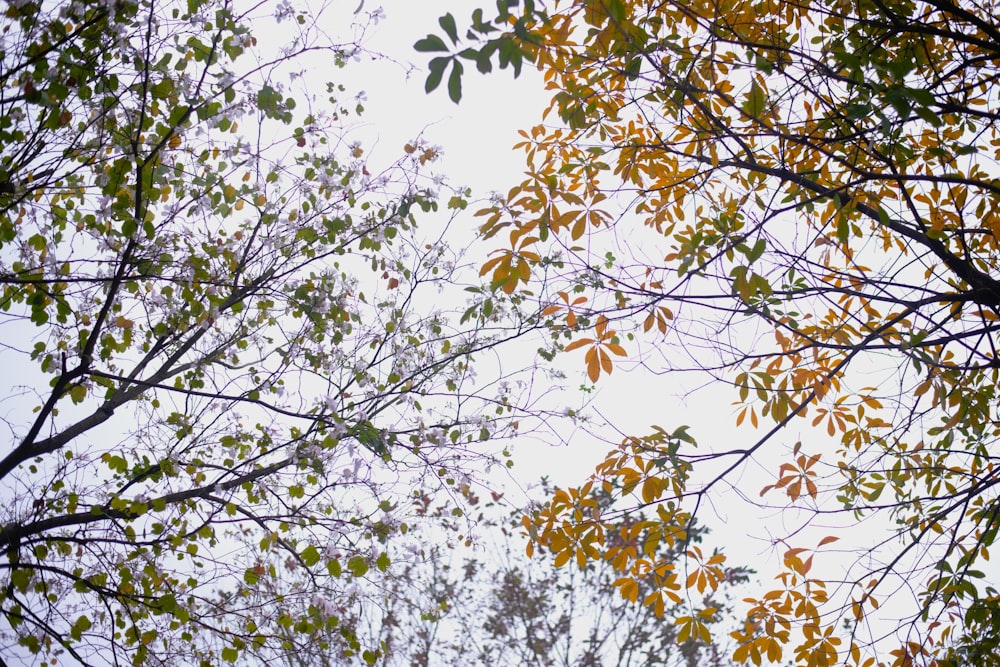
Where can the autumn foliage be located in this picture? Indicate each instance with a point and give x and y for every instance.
(800, 201)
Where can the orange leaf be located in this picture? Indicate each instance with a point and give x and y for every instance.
(593, 369)
(605, 360)
(576, 344)
(615, 348)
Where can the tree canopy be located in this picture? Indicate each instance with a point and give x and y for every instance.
(797, 201)
(231, 357)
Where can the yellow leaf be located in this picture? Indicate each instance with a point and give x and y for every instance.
(684, 633)
(703, 633)
(628, 588)
(652, 488)
(708, 613)
(773, 650)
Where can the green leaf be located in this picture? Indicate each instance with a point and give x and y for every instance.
(483, 62)
(616, 10)
(436, 72)
(921, 96)
(81, 625)
(182, 614)
(21, 579)
(383, 562)
(455, 82)
(163, 89)
(31, 642)
(755, 100)
(430, 43)
(138, 507)
(358, 566)
(633, 68)
(78, 393)
(758, 249)
(843, 228)
(928, 116)
(310, 555)
(129, 227)
(447, 23)
(167, 603)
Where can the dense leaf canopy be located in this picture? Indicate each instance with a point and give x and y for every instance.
(798, 201)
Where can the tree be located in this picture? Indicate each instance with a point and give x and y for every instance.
(564, 617)
(230, 354)
(491, 605)
(799, 202)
